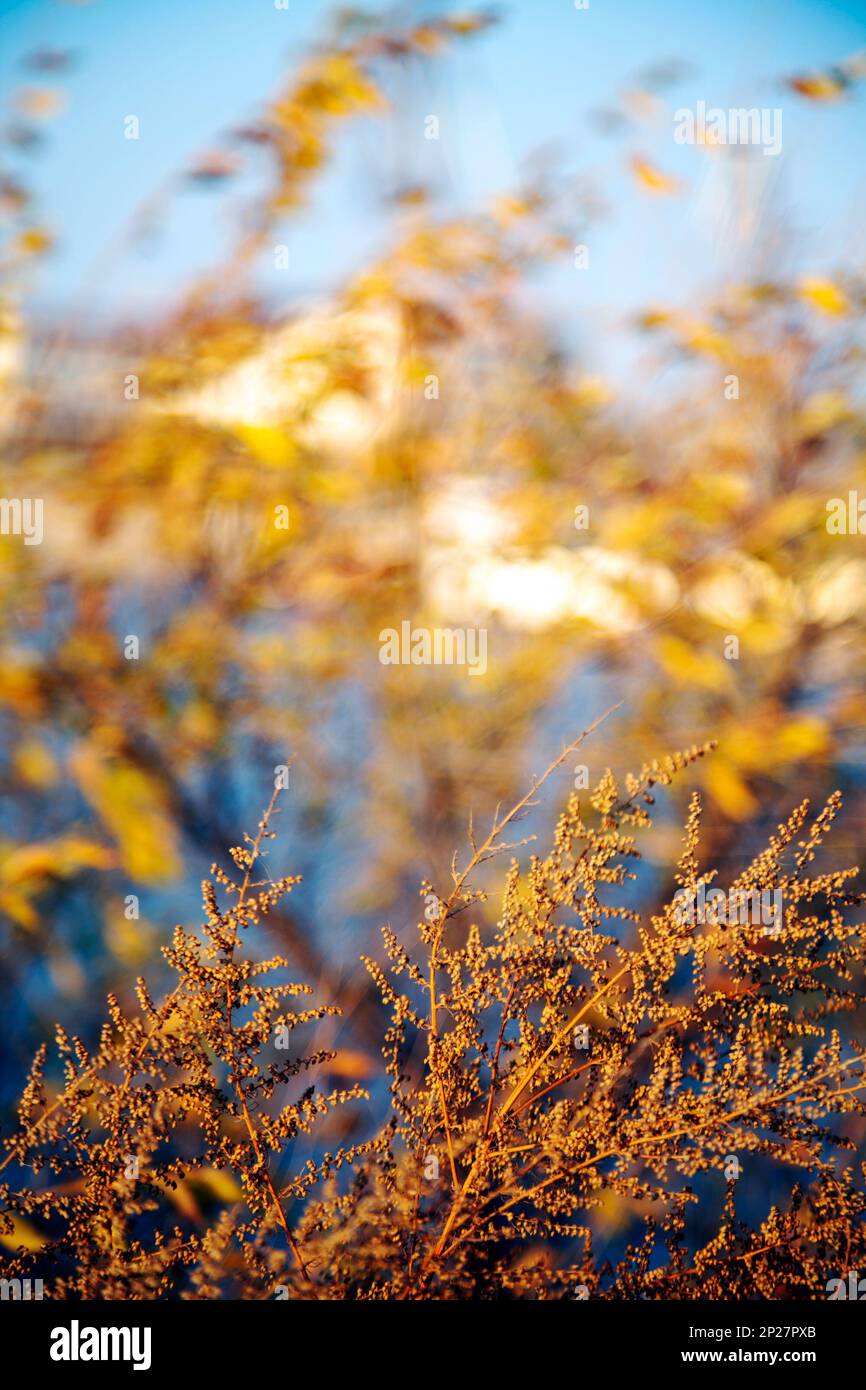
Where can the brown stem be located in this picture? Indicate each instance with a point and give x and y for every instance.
(261, 1160)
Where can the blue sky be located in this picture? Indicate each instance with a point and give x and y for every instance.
(191, 71)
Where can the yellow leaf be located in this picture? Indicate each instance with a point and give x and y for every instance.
(651, 178)
(801, 738)
(19, 689)
(218, 1182)
(18, 906)
(822, 412)
(819, 87)
(689, 666)
(271, 446)
(467, 23)
(21, 1234)
(426, 38)
(40, 103)
(824, 295)
(33, 240)
(339, 86)
(351, 1066)
(730, 791)
(614, 1212)
(131, 940)
(509, 209)
(789, 516)
(702, 338)
(182, 1196)
(36, 764)
(132, 807)
(53, 858)
(592, 392)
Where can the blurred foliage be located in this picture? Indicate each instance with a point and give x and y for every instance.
(255, 497)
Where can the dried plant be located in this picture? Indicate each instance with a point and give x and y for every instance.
(116, 1139)
(570, 1056)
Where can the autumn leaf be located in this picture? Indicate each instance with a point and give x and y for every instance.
(40, 103)
(823, 295)
(469, 23)
(729, 789)
(819, 87)
(26, 871)
(351, 1066)
(58, 858)
(688, 665)
(131, 806)
(652, 178)
(33, 241)
(832, 83)
(22, 1234)
(35, 763)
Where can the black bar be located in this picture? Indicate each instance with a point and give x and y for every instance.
(645, 1339)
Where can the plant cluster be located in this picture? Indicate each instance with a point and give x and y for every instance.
(568, 1056)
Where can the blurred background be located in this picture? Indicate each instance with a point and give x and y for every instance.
(320, 319)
